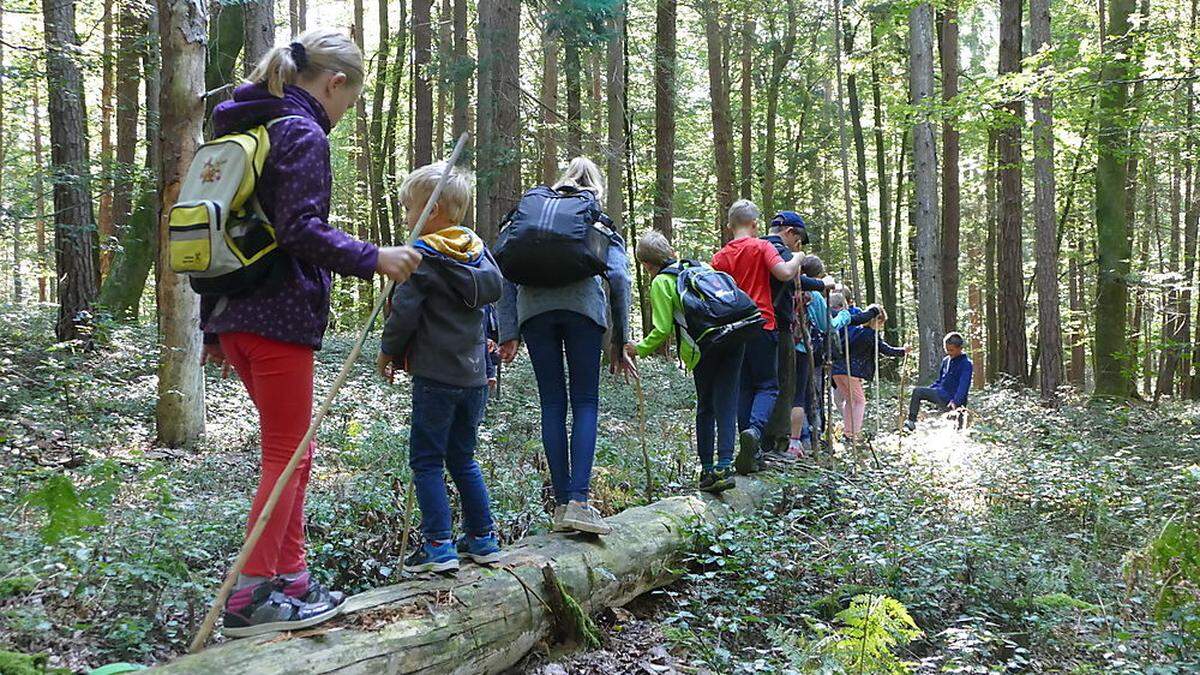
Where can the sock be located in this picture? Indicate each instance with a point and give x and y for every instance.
(706, 467)
(724, 463)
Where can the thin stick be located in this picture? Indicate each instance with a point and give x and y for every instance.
(637, 385)
(408, 509)
(260, 524)
(900, 403)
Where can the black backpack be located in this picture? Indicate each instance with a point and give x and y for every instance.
(553, 238)
(715, 310)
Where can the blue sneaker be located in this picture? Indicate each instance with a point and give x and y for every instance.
(484, 550)
(433, 558)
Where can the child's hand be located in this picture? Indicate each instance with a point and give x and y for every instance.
(492, 348)
(622, 364)
(508, 350)
(214, 354)
(631, 351)
(386, 366)
(398, 262)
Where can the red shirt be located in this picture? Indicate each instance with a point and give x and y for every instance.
(749, 261)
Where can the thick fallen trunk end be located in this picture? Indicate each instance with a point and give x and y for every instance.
(484, 620)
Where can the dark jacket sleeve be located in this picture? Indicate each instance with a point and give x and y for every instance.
(506, 312)
(300, 165)
(401, 324)
(859, 318)
(810, 284)
(619, 289)
(887, 349)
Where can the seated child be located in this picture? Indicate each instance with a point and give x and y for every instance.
(715, 371)
(435, 332)
(953, 384)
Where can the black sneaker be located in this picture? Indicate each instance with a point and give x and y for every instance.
(748, 442)
(707, 478)
(266, 608)
(306, 588)
(723, 479)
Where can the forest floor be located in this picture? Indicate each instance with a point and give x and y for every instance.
(1020, 544)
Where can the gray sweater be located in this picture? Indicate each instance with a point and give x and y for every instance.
(587, 297)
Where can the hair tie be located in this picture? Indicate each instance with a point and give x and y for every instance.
(299, 55)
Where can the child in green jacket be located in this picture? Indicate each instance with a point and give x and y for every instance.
(715, 372)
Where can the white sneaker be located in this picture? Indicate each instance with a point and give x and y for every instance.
(556, 520)
(583, 517)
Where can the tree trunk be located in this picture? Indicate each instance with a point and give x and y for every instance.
(993, 329)
(930, 325)
(747, 82)
(463, 70)
(893, 290)
(39, 188)
(1113, 246)
(781, 56)
(16, 222)
(180, 409)
(615, 74)
(886, 281)
(362, 147)
(722, 124)
(844, 150)
(387, 236)
(1009, 274)
(422, 31)
(496, 618)
(74, 229)
(258, 21)
(1049, 320)
(379, 202)
(572, 68)
(499, 159)
(860, 159)
(951, 198)
(1077, 369)
(227, 36)
(549, 160)
(664, 116)
(445, 50)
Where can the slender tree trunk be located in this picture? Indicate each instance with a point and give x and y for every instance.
(1113, 376)
(180, 410)
(1009, 274)
(886, 281)
(572, 71)
(782, 52)
(860, 159)
(892, 289)
(1049, 320)
(362, 147)
(844, 150)
(930, 319)
(104, 217)
(499, 124)
(258, 21)
(378, 197)
(39, 189)
(463, 71)
(747, 81)
(387, 236)
(617, 119)
(664, 116)
(951, 198)
(74, 234)
(445, 50)
(422, 31)
(722, 124)
(1077, 370)
(16, 222)
(226, 37)
(549, 160)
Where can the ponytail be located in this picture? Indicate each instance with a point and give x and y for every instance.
(316, 51)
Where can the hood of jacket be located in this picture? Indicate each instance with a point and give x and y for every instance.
(253, 105)
(463, 264)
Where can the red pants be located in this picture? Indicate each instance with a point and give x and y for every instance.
(279, 378)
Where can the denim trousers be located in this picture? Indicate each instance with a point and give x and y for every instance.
(445, 424)
(551, 337)
(716, 377)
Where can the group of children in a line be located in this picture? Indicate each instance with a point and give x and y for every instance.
(444, 331)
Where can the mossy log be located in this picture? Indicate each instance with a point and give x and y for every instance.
(484, 620)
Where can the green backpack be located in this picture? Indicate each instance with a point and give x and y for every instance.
(217, 233)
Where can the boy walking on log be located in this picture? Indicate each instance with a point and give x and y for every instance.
(950, 390)
(436, 333)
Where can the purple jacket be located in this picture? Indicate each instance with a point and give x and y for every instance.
(294, 192)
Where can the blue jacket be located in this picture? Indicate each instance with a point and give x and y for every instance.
(862, 353)
(955, 379)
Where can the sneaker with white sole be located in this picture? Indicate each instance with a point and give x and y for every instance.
(483, 550)
(583, 517)
(556, 524)
(266, 608)
(431, 557)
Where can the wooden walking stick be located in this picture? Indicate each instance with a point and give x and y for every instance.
(637, 385)
(260, 524)
(900, 402)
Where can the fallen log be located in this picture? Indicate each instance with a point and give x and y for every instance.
(484, 620)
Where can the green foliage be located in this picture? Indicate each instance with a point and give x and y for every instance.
(66, 515)
(12, 663)
(871, 627)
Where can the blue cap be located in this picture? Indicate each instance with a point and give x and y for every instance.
(787, 219)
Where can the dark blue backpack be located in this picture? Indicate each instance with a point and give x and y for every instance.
(553, 238)
(715, 310)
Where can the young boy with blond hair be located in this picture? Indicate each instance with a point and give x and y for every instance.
(435, 332)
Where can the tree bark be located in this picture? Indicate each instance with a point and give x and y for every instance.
(993, 328)
(422, 31)
(860, 159)
(617, 120)
(128, 84)
(844, 149)
(572, 72)
(930, 325)
(951, 199)
(445, 50)
(362, 147)
(1113, 246)
(664, 116)
(782, 51)
(492, 619)
(104, 217)
(74, 229)
(463, 70)
(227, 36)
(499, 159)
(1050, 364)
(180, 410)
(886, 281)
(258, 21)
(387, 236)
(747, 81)
(549, 159)
(722, 124)
(1009, 275)
(45, 288)
(379, 202)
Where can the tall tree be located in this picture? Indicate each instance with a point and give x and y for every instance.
(463, 70)
(549, 158)
(39, 189)
(924, 209)
(395, 79)
(76, 260)
(226, 37)
(422, 31)
(16, 222)
(362, 145)
(180, 410)
(722, 125)
(992, 360)
(378, 197)
(844, 148)
(781, 55)
(860, 163)
(664, 115)
(1009, 274)
(498, 144)
(1050, 364)
(572, 71)
(617, 118)
(747, 83)
(1113, 241)
(951, 207)
(886, 283)
(258, 20)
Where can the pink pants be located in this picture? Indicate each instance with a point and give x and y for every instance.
(852, 401)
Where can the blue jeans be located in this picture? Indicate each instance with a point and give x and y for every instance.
(760, 386)
(549, 336)
(935, 396)
(716, 378)
(445, 420)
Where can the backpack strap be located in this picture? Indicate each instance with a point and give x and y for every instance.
(273, 122)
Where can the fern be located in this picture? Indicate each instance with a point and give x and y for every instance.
(871, 627)
(66, 514)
